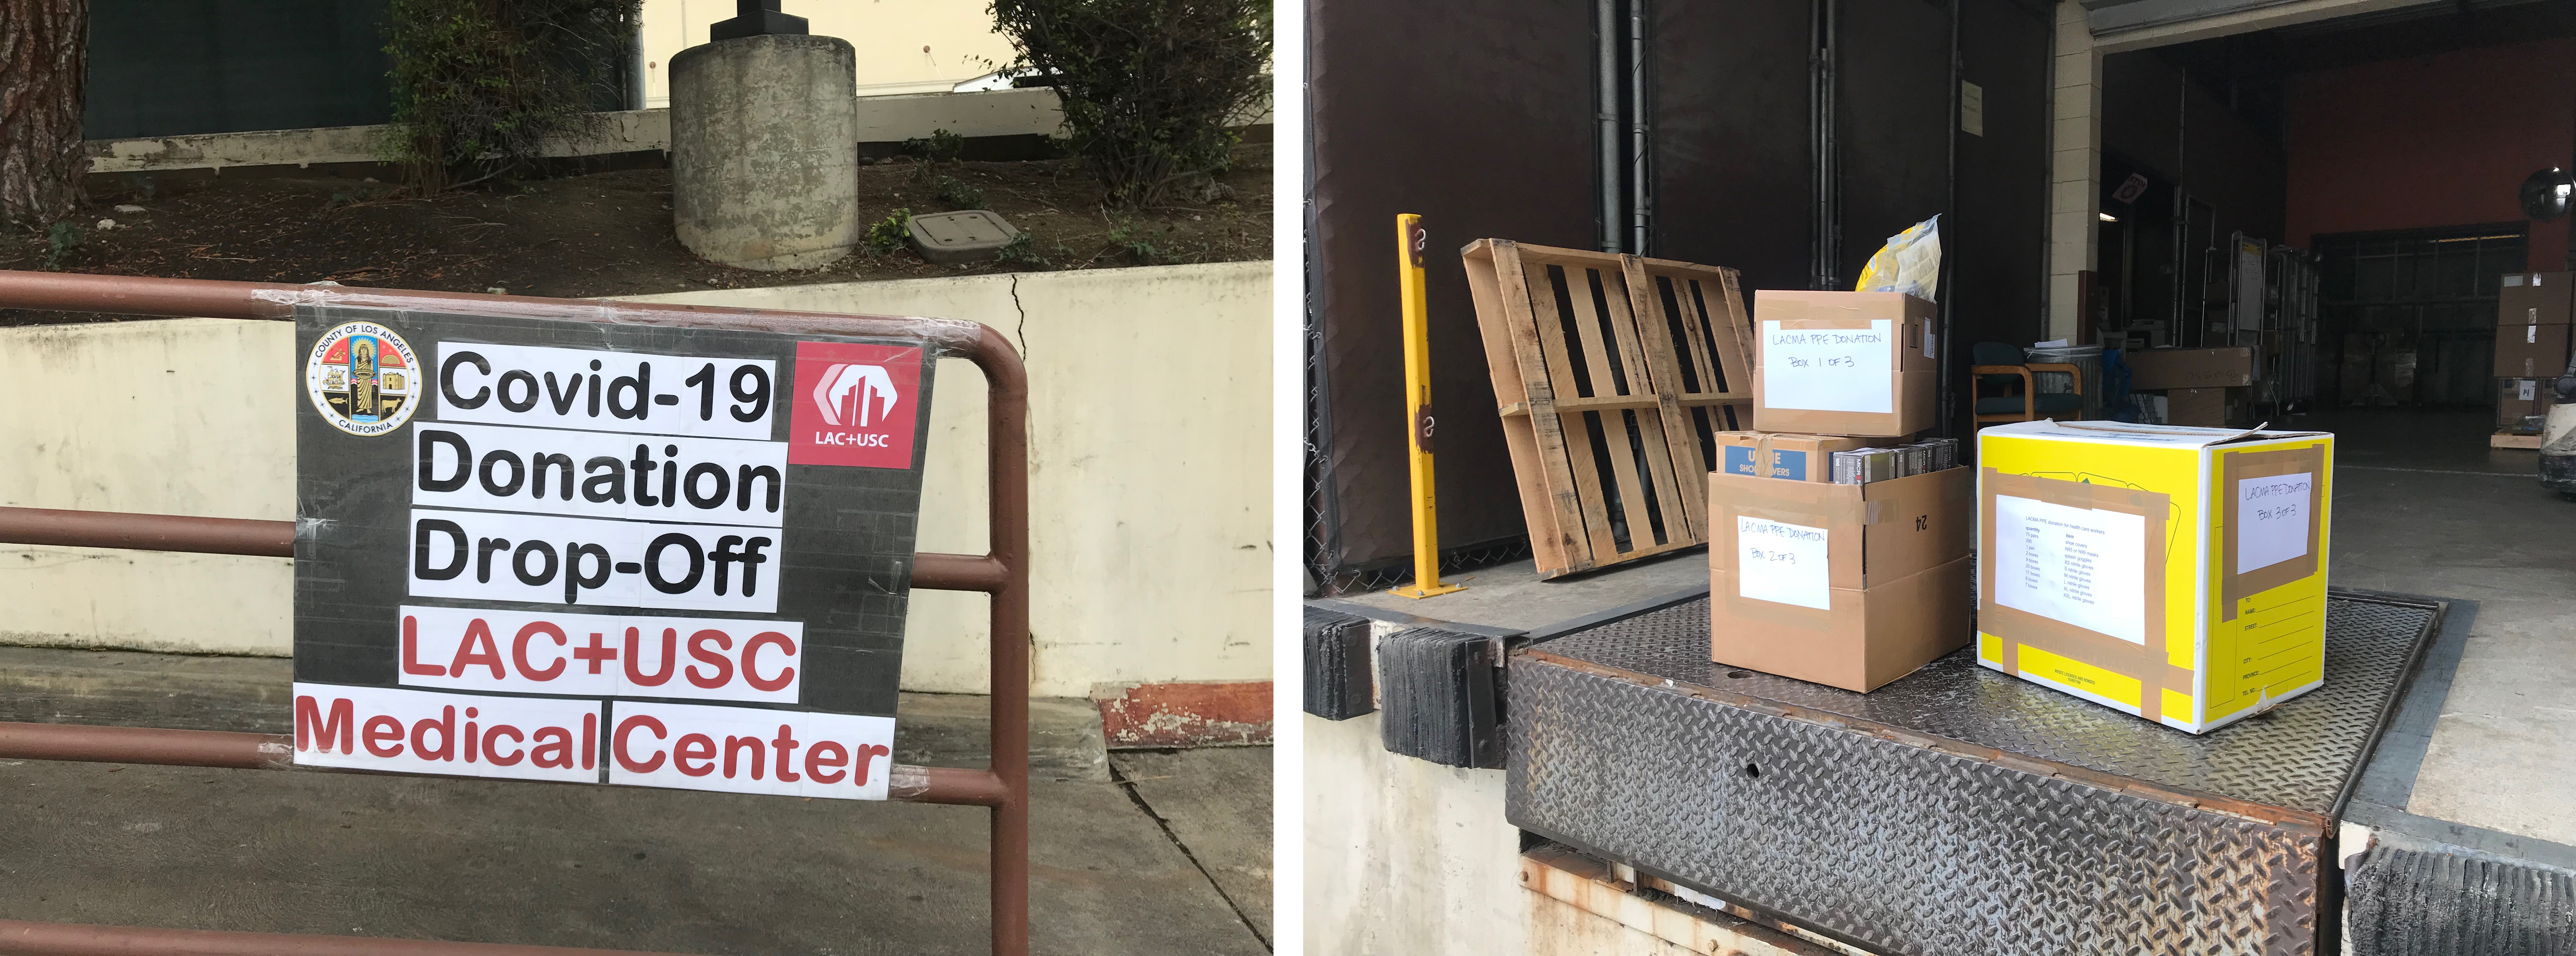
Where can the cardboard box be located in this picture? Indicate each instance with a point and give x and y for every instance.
(2208, 407)
(2156, 369)
(1791, 456)
(2531, 351)
(2108, 574)
(2534, 298)
(1846, 585)
(2522, 404)
(1844, 363)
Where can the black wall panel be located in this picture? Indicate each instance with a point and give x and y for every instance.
(1733, 180)
(1892, 121)
(1996, 242)
(177, 67)
(1480, 118)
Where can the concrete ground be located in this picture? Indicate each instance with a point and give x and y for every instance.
(1172, 856)
(2423, 506)
(1514, 597)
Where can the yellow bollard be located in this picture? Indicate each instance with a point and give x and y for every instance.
(1411, 238)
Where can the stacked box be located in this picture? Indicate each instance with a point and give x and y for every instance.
(2523, 404)
(2170, 572)
(2203, 387)
(1840, 584)
(2532, 316)
(1774, 455)
(1844, 363)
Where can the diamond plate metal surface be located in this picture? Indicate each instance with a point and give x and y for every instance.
(1844, 817)
(2300, 756)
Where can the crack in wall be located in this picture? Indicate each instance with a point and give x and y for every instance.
(1020, 334)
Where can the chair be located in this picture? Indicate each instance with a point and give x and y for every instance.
(2001, 365)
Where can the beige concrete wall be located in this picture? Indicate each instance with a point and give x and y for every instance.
(904, 46)
(882, 119)
(1149, 459)
(155, 417)
(1404, 856)
(1149, 435)
(2075, 169)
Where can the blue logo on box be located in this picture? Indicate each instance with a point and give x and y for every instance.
(1789, 464)
(1739, 460)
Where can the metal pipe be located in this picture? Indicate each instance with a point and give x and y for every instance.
(23, 938)
(146, 532)
(636, 80)
(1006, 423)
(1948, 280)
(276, 539)
(1608, 50)
(145, 745)
(1638, 208)
(1826, 253)
(249, 751)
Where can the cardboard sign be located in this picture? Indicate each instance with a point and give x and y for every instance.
(580, 552)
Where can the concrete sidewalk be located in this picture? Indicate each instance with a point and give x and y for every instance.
(1174, 859)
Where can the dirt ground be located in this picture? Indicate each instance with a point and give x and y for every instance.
(609, 233)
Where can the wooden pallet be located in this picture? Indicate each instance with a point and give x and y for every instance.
(1613, 372)
(2507, 440)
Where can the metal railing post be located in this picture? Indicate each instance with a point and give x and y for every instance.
(1003, 573)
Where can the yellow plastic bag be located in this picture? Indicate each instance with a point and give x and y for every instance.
(1910, 263)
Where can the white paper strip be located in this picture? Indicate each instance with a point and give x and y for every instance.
(1831, 370)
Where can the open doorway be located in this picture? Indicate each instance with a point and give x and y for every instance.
(2338, 197)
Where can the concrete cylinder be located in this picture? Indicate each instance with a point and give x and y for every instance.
(764, 151)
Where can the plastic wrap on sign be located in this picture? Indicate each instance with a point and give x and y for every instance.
(601, 553)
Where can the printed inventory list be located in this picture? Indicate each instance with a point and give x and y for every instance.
(2079, 566)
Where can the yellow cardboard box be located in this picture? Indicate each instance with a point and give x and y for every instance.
(2175, 573)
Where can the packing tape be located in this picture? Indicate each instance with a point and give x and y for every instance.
(2149, 662)
(1770, 507)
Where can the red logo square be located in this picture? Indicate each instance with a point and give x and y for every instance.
(854, 405)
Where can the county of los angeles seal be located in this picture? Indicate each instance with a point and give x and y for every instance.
(362, 378)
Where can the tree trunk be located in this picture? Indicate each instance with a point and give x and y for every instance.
(44, 67)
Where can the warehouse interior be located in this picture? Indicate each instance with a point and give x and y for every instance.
(2383, 152)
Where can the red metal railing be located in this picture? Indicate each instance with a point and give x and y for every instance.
(1004, 574)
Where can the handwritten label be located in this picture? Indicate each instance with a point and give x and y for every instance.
(1777, 561)
(1830, 370)
(2081, 566)
(2272, 519)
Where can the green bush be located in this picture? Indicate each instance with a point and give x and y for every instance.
(61, 241)
(939, 152)
(891, 233)
(480, 85)
(1150, 88)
